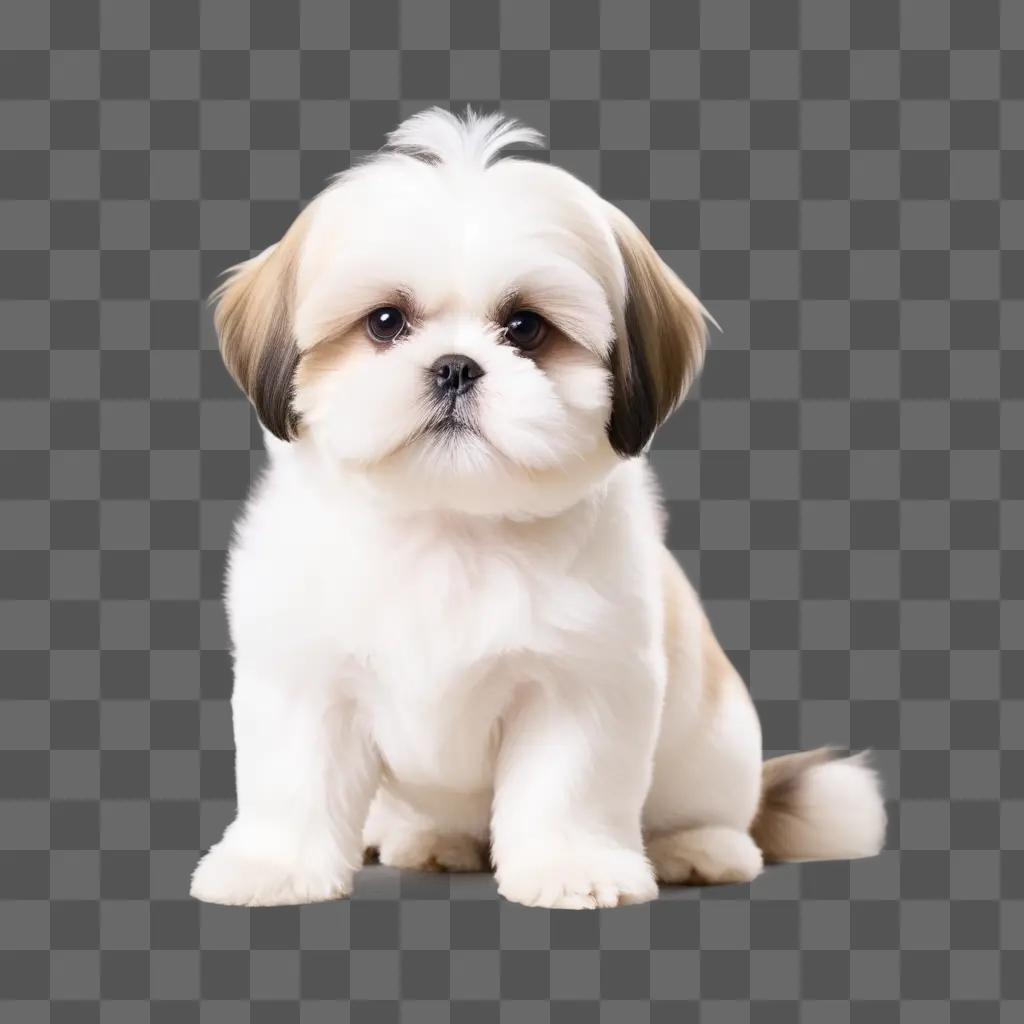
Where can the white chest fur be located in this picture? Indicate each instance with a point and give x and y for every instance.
(430, 621)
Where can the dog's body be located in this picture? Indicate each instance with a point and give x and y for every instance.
(437, 656)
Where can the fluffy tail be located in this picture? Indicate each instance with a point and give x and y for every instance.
(815, 807)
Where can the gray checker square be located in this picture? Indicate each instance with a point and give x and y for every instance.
(842, 181)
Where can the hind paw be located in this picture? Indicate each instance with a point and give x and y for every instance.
(433, 851)
(704, 856)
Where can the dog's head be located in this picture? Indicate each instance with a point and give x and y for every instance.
(465, 331)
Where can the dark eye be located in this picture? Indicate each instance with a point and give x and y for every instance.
(385, 324)
(525, 330)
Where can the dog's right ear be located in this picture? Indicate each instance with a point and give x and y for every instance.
(255, 325)
(662, 347)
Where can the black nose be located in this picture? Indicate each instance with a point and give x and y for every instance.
(454, 375)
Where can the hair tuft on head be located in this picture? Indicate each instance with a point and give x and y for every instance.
(438, 136)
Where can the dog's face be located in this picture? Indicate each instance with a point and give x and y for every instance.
(464, 332)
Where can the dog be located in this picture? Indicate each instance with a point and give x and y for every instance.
(457, 631)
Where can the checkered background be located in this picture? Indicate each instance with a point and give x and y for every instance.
(843, 183)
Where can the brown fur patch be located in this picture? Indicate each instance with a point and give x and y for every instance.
(319, 363)
(254, 325)
(717, 673)
(664, 345)
(326, 355)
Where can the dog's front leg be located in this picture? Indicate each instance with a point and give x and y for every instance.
(573, 769)
(306, 771)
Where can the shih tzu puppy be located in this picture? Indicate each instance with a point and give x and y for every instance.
(457, 631)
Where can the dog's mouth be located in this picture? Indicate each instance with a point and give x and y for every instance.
(453, 417)
(445, 424)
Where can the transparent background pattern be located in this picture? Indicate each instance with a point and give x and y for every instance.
(842, 181)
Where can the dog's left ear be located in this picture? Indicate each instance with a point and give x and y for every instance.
(255, 327)
(661, 349)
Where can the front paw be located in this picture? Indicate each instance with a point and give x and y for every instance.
(576, 877)
(232, 877)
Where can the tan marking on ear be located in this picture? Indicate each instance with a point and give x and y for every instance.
(663, 348)
(254, 322)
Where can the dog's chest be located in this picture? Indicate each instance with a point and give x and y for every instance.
(432, 608)
(441, 731)
(442, 634)
(430, 627)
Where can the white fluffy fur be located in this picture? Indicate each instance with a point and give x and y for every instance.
(485, 637)
(836, 813)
